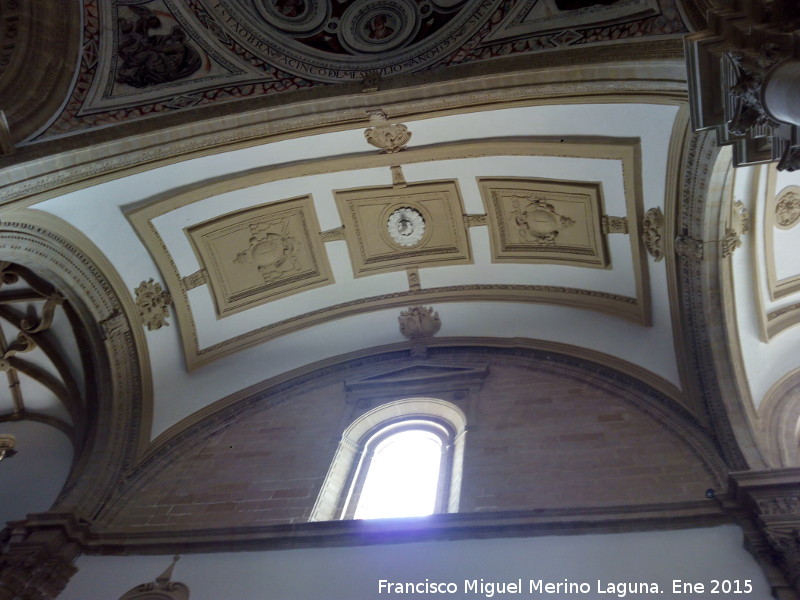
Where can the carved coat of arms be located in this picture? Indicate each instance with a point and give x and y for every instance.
(537, 221)
(272, 250)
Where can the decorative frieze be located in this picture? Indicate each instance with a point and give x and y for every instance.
(332, 235)
(475, 220)
(398, 178)
(196, 279)
(611, 225)
(413, 279)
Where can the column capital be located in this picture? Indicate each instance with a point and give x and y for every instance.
(730, 66)
(37, 555)
(772, 500)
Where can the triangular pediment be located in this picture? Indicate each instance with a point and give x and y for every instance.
(419, 375)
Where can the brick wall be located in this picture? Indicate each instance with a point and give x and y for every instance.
(536, 439)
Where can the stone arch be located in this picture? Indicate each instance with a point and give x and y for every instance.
(353, 440)
(780, 421)
(55, 251)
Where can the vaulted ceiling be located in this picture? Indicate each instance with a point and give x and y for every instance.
(269, 184)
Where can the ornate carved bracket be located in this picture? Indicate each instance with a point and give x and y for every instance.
(772, 500)
(735, 67)
(36, 560)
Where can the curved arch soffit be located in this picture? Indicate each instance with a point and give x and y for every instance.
(56, 251)
(41, 61)
(406, 408)
(780, 422)
(706, 307)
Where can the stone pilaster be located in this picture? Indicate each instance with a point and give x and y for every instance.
(37, 555)
(770, 504)
(740, 75)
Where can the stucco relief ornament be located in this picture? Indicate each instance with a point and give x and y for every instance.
(163, 588)
(272, 250)
(406, 226)
(653, 233)
(389, 137)
(153, 303)
(787, 210)
(419, 322)
(537, 221)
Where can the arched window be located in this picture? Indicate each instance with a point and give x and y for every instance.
(401, 459)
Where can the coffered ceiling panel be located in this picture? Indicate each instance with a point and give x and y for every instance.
(261, 254)
(218, 232)
(545, 221)
(416, 225)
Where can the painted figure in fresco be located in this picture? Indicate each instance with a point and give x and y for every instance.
(378, 29)
(578, 4)
(153, 59)
(290, 8)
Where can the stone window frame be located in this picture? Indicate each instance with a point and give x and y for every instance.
(342, 482)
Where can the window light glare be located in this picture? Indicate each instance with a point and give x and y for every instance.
(403, 477)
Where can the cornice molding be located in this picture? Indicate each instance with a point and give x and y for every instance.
(541, 522)
(655, 74)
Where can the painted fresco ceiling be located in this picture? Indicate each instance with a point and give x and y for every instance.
(142, 58)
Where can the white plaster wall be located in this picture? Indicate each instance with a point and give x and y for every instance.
(697, 555)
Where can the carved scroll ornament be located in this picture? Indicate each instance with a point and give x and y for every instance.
(153, 303)
(419, 322)
(653, 233)
(389, 137)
